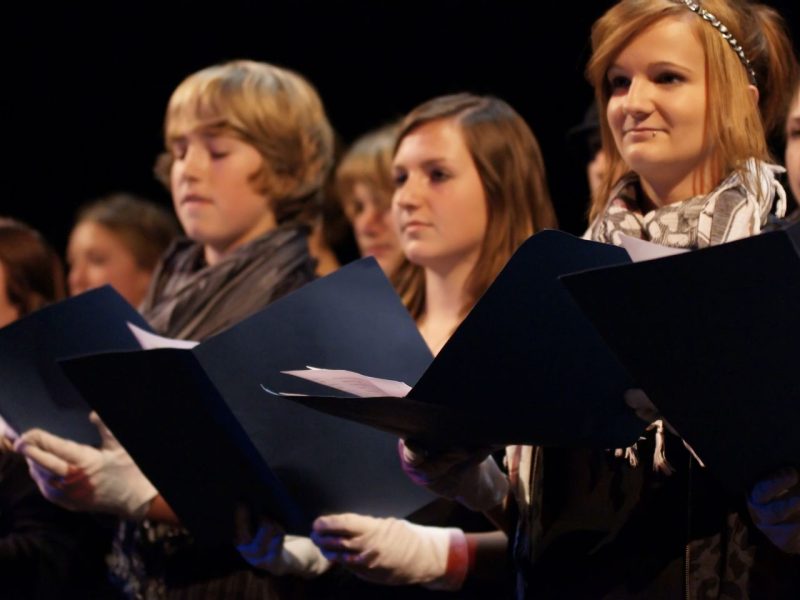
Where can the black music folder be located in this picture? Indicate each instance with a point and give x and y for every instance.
(525, 366)
(201, 426)
(34, 391)
(711, 336)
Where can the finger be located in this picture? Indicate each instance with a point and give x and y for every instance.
(48, 465)
(43, 476)
(334, 543)
(265, 544)
(776, 486)
(345, 524)
(342, 558)
(782, 510)
(65, 449)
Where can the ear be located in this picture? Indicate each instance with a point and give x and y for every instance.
(753, 92)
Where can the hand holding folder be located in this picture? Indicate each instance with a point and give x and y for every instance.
(34, 391)
(569, 326)
(200, 426)
(83, 478)
(711, 337)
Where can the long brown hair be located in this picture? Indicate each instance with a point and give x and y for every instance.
(34, 274)
(510, 166)
(734, 122)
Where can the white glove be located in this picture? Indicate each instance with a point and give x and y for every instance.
(470, 477)
(774, 504)
(273, 551)
(83, 478)
(393, 551)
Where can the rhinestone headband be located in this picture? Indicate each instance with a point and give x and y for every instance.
(727, 35)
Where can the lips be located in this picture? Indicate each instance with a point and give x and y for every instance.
(413, 225)
(191, 199)
(641, 130)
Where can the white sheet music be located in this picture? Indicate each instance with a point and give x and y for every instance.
(352, 382)
(150, 341)
(640, 250)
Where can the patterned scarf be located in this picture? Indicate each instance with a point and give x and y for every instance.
(191, 300)
(730, 212)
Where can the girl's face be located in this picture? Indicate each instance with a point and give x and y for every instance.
(439, 204)
(373, 226)
(213, 192)
(8, 311)
(793, 146)
(657, 108)
(97, 256)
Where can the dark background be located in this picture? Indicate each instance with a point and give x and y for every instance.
(85, 87)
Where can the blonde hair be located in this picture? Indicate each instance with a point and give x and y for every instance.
(369, 161)
(511, 169)
(273, 109)
(733, 120)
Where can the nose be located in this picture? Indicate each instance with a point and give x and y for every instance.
(638, 98)
(366, 222)
(193, 162)
(409, 195)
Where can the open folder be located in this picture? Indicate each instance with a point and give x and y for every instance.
(712, 337)
(33, 389)
(201, 427)
(525, 366)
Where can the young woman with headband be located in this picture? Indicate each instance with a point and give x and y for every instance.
(686, 92)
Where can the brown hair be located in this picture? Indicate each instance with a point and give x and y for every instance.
(34, 274)
(144, 228)
(510, 165)
(765, 41)
(368, 160)
(276, 111)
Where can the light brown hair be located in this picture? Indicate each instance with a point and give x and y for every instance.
(734, 122)
(511, 169)
(273, 109)
(369, 161)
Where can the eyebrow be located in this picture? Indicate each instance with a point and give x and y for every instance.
(670, 65)
(664, 64)
(428, 162)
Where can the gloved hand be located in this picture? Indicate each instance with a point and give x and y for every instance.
(273, 551)
(83, 478)
(470, 477)
(774, 504)
(393, 551)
